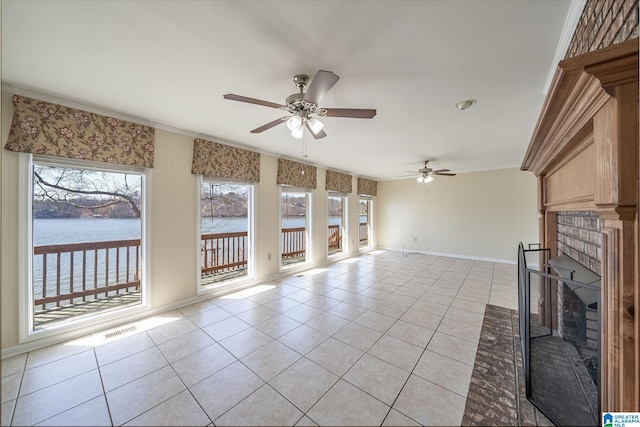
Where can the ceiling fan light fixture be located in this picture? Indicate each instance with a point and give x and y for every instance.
(315, 124)
(463, 105)
(298, 133)
(429, 178)
(294, 123)
(302, 105)
(420, 178)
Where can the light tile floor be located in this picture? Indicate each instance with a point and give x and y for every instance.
(382, 339)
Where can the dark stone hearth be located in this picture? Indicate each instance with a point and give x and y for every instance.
(497, 394)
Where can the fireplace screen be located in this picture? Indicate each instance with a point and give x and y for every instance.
(559, 306)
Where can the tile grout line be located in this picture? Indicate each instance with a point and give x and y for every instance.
(15, 405)
(104, 391)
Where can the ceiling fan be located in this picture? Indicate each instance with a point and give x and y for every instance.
(426, 173)
(303, 107)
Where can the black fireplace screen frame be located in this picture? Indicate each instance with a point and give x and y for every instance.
(578, 414)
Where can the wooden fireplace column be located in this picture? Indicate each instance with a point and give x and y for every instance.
(585, 154)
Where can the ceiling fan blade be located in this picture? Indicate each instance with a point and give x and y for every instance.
(354, 113)
(441, 170)
(318, 135)
(269, 125)
(320, 85)
(445, 174)
(241, 98)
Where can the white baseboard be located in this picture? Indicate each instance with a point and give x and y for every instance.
(449, 255)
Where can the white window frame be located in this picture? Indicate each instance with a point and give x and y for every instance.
(251, 267)
(345, 222)
(307, 227)
(370, 221)
(88, 322)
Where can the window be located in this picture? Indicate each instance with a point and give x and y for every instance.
(336, 214)
(86, 240)
(294, 208)
(365, 220)
(225, 241)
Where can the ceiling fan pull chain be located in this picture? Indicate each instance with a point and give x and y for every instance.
(304, 146)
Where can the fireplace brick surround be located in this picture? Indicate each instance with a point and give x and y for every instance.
(579, 237)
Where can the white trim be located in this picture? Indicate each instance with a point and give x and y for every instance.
(251, 232)
(307, 220)
(344, 198)
(449, 255)
(25, 270)
(570, 24)
(371, 243)
(27, 334)
(146, 239)
(197, 244)
(251, 263)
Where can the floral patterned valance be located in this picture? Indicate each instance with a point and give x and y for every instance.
(223, 161)
(296, 174)
(337, 181)
(40, 127)
(367, 187)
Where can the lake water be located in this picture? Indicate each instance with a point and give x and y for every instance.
(76, 230)
(79, 230)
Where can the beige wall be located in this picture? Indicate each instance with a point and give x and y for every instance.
(9, 209)
(479, 215)
(173, 216)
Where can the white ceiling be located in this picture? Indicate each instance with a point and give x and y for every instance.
(169, 63)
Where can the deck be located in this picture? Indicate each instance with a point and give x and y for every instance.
(57, 314)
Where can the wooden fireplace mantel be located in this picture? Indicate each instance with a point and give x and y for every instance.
(584, 151)
(580, 88)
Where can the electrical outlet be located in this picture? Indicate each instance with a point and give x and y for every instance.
(268, 257)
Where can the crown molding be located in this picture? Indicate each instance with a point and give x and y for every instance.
(570, 25)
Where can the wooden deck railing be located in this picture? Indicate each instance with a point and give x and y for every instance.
(293, 243)
(223, 252)
(335, 240)
(227, 252)
(82, 271)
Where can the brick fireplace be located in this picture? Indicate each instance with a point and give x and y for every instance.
(584, 152)
(579, 237)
